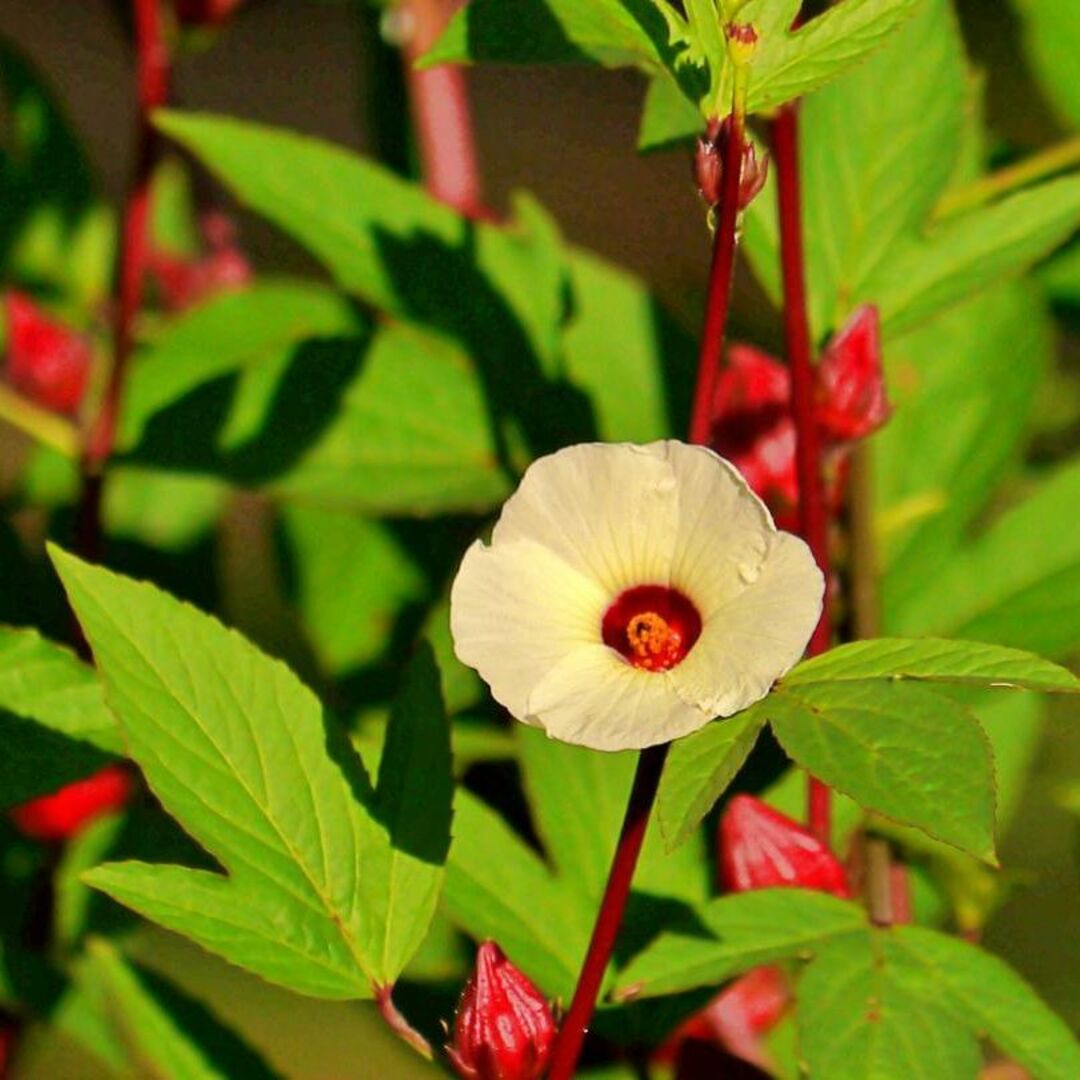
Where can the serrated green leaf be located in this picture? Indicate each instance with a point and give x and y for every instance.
(993, 1001)
(168, 511)
(609, 32)
(865, 1014)
(965, 663)
(234, 333)
(1051, 37)
(898, 748)
(352, 580)
(167, 1034)
(1015, 584)
(668, 116)
(700, 767)
(497, 887)
(400, 885)
(174, 225)
(242, 755)
(738, 932)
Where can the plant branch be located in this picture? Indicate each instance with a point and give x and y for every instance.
(152, 86)
(1039, 166)
(439, 101)
(571, 1037)
(40, 424)
(396, 1021)
(813, 515)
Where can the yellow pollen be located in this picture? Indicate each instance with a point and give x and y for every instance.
(649, 634)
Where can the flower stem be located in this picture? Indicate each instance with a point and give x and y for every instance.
(397, 1023)
(152, 80)
(439, 101)
(576, 1023)
(1045, 163)
(721, 274)
(813, 516)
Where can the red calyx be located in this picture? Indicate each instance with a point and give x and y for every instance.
(184, 282)
(752, 421)
(205, 12)
(504, 1029)
(761, 848)
(60, 815)
(46, 360)
(709, 165)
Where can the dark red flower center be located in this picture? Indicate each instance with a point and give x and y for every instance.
(653, 626)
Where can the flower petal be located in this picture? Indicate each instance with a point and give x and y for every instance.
(594, 698)
(610, 511)
(749, 642)
(516, 610)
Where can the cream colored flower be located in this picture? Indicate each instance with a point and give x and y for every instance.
(630, 594)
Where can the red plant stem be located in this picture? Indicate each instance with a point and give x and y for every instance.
(576, 1023)
(721, 274)
(152, 81)
(439, 101)
(813, 515)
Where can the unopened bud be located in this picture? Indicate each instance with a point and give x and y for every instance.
(504, 1029)
(742, 42)
(852, 402)
(46, 360)
(709, 165)
(761, 848)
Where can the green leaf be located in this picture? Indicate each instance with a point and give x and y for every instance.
(400, 885)
(497, 887)
(700, 767)
(174, 225)
(668, 116)
(168, 511)
(865, 1014)
(1015, 583)
(235, 333)
(242, 755)
(578, 798)
(352, 580)
(966, 663)
(609, 32)
(1051, 37)
(930, 478)
(898, 748)
(738, 932)
(993, 1001)
(168, 1035)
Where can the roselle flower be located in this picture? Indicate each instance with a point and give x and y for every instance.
(752, 420)
(630, 594)
(709, 165)
(47, 361)
(183, 281)
(760, 848)
(504, 1029)
(65, 812)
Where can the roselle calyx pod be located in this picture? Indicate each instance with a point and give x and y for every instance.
(851, 399)
(709, 165)
(761, 848)
(47, 361)
(504, 1029)
(59, 816)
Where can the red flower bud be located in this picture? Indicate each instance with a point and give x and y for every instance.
(205, 12)
(761, 848)
(65, 812)
(184, 282)
(851, 384)
(709, 165)
(504, 1029)
(46, 360)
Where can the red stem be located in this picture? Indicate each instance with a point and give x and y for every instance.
(152, 81)
(813, 515)
(439, 101)
(721, 274)
(576, 1023)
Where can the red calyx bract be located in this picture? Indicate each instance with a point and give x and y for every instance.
(851, 384)
(504, 1029)
(64, 812)
(761, 848)
(47, 361)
